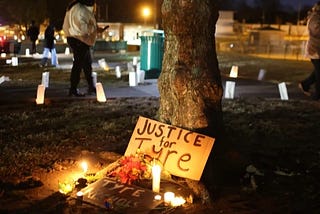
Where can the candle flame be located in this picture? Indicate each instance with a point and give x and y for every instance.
(178, 201)
(84, 166)
(79, 194)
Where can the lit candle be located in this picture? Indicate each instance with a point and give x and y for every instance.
(67, 51)
(156, 174)
(101, 97)
(45, 79)
(177, 201)
(135, 60)
(84, 166)
(27, 52)
(79, 198)
(14, 61)
(157, 197)
(79, 195)
(234, 72)
(118, 72)
(40, 94)
(168, 197)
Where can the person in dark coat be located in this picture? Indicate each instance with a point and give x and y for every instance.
(49, 47)
(33, 33)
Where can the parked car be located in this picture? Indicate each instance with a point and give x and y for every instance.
(4, 45)
(9, 45)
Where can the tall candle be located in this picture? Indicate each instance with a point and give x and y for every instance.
(156, 174)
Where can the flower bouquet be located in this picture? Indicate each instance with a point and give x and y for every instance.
(132, 168)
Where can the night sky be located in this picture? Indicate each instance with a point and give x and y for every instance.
(294, 3)
(130, 10)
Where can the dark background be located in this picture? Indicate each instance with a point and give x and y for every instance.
(251, 11)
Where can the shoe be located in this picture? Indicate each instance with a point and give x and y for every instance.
(306, 92)
(315, 97)
(92, 91)
(75, 93)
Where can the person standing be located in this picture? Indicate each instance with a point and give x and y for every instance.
(81, 29)
(49, 47)
(33, 33)
(313, 52)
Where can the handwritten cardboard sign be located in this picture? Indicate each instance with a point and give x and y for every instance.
(182, 152)
(121, 197)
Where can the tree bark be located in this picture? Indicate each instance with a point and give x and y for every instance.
(190, 83)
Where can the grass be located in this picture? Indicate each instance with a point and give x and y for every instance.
(278, 138)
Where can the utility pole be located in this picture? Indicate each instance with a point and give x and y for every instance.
(299, 10)
(155, 9)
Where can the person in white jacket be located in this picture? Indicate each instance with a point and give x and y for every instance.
(313, 52)
(80, 28)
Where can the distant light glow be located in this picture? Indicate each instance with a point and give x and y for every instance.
(84, 166)
(146, 12)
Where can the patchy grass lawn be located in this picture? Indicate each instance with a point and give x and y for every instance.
(267, 162)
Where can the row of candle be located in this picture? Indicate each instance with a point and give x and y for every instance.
(169, 197)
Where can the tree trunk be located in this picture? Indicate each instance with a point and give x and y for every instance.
(190, 82)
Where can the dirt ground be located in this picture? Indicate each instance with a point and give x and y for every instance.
(267, 161)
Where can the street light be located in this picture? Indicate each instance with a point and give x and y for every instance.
(146, 13)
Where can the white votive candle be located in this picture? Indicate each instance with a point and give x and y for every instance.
(168, 197)
(40, 94)
(178, 201)
(80, 195)
(157, 197)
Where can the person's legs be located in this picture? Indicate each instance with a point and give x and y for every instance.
(306, 83)
(87, 68)
(77, 66)
(33, 47)
(54, 60)
(316, 64)
(45, 56)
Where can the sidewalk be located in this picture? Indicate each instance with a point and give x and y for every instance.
(244, 88)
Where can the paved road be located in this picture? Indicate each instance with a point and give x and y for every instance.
(244, 88)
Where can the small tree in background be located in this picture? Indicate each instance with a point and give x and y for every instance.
(22, 12)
